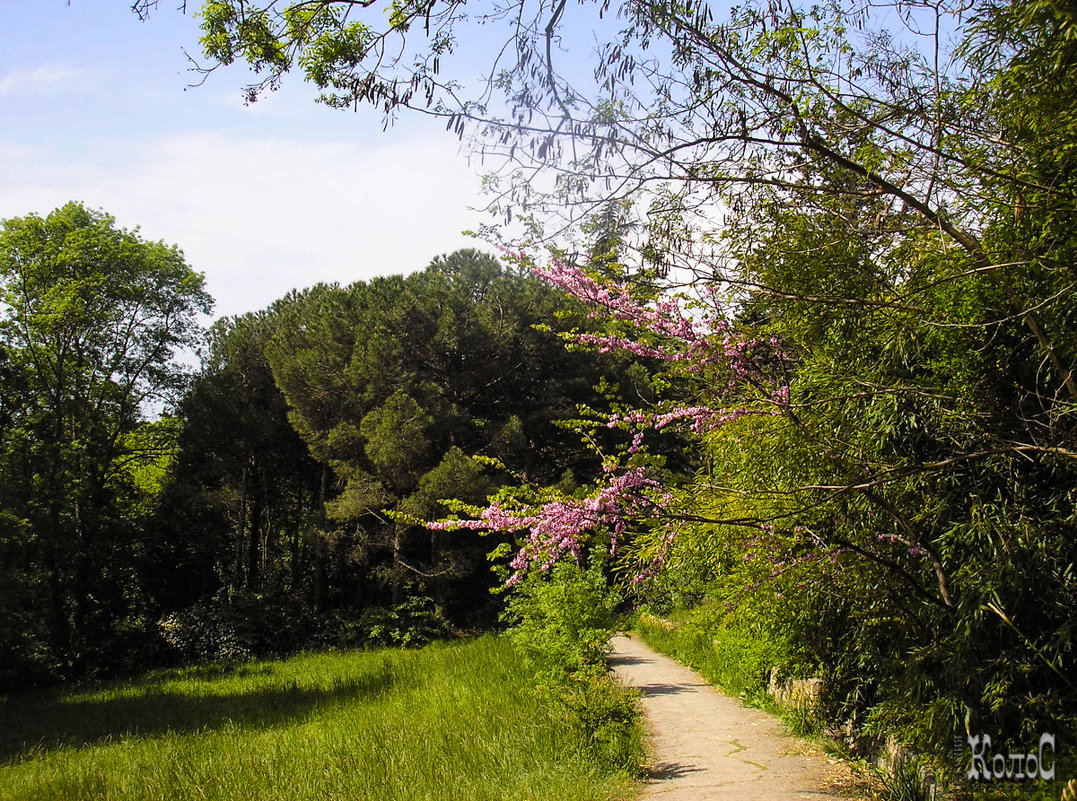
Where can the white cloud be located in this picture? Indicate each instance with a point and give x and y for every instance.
(262, 217)
(37, 79)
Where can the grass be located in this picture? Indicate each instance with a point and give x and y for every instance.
(734, 661)
(451, 721)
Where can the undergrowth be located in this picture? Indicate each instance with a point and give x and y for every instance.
(562, 619)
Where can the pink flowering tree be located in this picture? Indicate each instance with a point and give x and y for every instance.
(731, 375)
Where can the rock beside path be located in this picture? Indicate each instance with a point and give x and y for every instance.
(706, 746)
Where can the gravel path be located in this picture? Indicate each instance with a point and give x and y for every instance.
(705, 746)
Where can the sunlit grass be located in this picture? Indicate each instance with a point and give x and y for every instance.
(447, 722)
(734, 659)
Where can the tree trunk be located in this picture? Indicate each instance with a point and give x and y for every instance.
(319, 543)
(59, 623)
(296, 542)
(254, 538)
(398, 567)
(241, 527)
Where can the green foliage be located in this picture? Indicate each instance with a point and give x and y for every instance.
(205, 631)
(605, 717)
(562, 618)
(909, 518)
(25, 653)
(322, 431)
(242, 627)
(155, 444)
(241, 492)
(247, 626)
(727, 651)
(316, 437)
(91, 317)
(897, 216)
(906, 783)
(411, 624)
(393, 385)
(802, 721)
(395, 440)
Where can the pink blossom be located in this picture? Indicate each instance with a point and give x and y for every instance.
(560, 526)
(615, 297)
(702, 344)
(692, 344)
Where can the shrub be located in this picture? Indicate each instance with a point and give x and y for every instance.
(606, 717)
(244, 626)
(411, 624)
(562, 618)
(204, 631)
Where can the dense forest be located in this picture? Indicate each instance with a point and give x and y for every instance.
(814, 268)
(271, 499)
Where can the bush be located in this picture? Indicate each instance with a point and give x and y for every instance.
(606, 717)
(26, 655)
(411, 624)
(242, 627)
(203, 631)
(562, 620)
(252, 626)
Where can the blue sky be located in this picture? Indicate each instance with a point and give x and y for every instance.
(97, 108)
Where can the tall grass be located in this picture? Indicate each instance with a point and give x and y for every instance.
(736, 660)
(448, 722)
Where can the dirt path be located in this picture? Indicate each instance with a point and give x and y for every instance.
(705, 746)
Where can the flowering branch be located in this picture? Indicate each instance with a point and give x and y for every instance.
(563, 525)
(625, 494)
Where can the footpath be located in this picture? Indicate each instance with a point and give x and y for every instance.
(706, 746)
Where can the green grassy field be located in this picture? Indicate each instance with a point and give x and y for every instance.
(456, 721)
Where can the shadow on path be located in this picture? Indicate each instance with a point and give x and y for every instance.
(665, 689)
(620, 659)
(663, 771)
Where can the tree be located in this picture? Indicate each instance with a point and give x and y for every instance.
(394, 384)
(243, 488)
(91, 318)
(888, 194)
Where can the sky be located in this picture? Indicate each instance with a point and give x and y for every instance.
(98, 107)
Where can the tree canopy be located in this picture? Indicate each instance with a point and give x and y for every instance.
(323, 430)
(91, 319)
